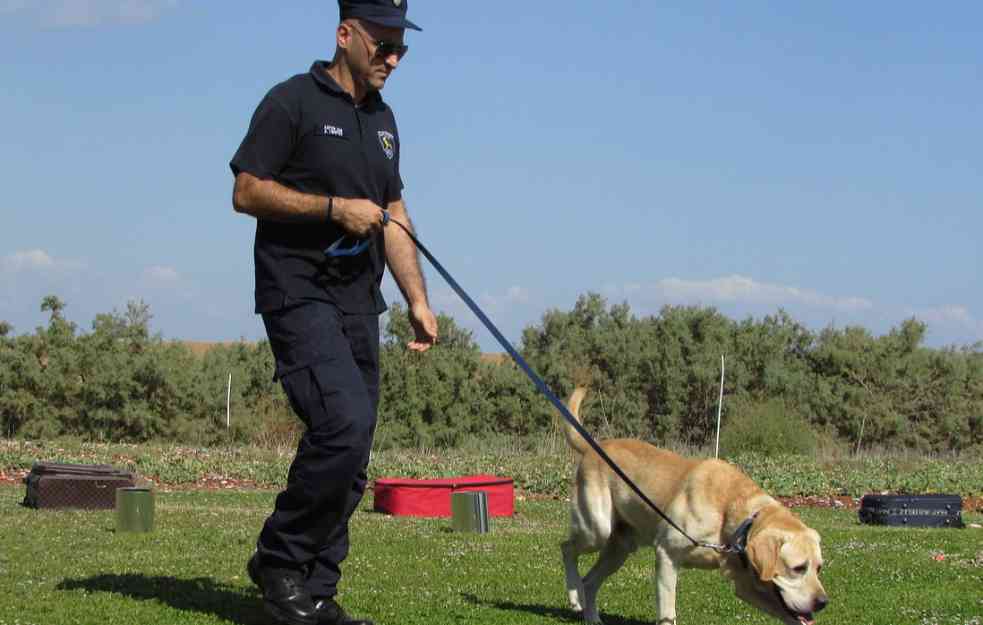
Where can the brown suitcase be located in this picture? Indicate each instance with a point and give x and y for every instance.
(85, 486)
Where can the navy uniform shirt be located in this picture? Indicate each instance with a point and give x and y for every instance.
(307, 134)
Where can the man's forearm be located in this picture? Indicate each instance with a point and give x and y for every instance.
(403, 258)
(271, 201)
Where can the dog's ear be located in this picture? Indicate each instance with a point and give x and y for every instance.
(763, 553)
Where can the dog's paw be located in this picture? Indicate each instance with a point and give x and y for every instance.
(574, 599)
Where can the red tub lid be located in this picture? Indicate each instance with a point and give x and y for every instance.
(448, 482)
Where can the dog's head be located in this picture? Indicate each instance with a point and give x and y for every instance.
(780, 571)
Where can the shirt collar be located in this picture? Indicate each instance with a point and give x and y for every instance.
(319, 70)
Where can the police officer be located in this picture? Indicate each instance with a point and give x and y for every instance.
(317, 168)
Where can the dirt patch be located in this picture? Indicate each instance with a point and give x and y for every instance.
(212, 484)
(12, 477)
(817, 501)
(970, 504)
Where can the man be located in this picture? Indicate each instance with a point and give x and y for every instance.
(318, 166)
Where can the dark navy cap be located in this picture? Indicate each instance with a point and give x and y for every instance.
(391, 13)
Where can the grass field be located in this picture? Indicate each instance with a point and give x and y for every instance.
(71, 567)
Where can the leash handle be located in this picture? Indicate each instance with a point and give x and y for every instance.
(542, 386)
(335, 250)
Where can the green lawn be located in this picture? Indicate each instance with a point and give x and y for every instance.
(62, 568)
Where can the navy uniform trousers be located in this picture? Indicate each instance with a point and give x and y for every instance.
(328, 364)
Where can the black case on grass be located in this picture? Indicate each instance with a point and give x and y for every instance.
(85, 486)
(912, 510)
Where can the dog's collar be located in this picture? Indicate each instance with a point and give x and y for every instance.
(738, 544)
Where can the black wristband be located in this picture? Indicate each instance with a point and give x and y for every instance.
(330, 207)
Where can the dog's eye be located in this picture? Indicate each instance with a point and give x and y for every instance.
(802, 569)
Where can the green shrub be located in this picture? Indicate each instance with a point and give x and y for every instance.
(654, 378)
(768, 428)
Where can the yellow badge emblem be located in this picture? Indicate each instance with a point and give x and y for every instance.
(388, 143)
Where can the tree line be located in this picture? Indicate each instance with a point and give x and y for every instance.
(653, 377)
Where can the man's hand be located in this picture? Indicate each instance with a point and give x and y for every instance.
(424, 326)
(357, 217)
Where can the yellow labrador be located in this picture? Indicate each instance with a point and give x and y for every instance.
(713, 501)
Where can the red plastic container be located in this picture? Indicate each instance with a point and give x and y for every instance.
(432, 498)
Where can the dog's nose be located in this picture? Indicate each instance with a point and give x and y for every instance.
(821, 603)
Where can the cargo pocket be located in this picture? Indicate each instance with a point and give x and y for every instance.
(304, 334)
(335, 401)
(304, 394)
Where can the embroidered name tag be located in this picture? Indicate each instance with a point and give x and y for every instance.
(332, 131)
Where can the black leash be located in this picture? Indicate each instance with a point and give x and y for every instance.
(732, 548)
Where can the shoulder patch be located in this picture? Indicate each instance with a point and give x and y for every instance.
(388, 143)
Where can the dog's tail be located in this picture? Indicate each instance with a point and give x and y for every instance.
(574, 439)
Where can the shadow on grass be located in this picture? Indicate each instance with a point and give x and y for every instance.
(199, 594)
(558, 614)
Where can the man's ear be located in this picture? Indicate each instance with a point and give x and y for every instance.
(762, 552)
(343, 35)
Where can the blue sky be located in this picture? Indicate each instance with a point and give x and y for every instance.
(821, 157)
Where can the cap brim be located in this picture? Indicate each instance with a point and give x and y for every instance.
(392, 22)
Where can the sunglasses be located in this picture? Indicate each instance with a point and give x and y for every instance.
(384, 49)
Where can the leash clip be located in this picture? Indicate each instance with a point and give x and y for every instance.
(721, 549)
(738, 544)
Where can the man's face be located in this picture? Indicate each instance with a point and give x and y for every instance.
(373, 52)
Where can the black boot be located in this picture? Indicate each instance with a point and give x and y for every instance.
(330, 613)
(284, 595)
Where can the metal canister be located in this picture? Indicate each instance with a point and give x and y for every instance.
(134, 509)
(469, 511)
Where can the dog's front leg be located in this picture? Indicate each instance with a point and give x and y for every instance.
(666, 574)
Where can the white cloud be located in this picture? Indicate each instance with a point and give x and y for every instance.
(446, 301)
(740, 290)
(954, 317)
(87, 13)
(161, 275)
(163, 286)
(35, 260)
(29, 259)
(514, 295)
(510, 311)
